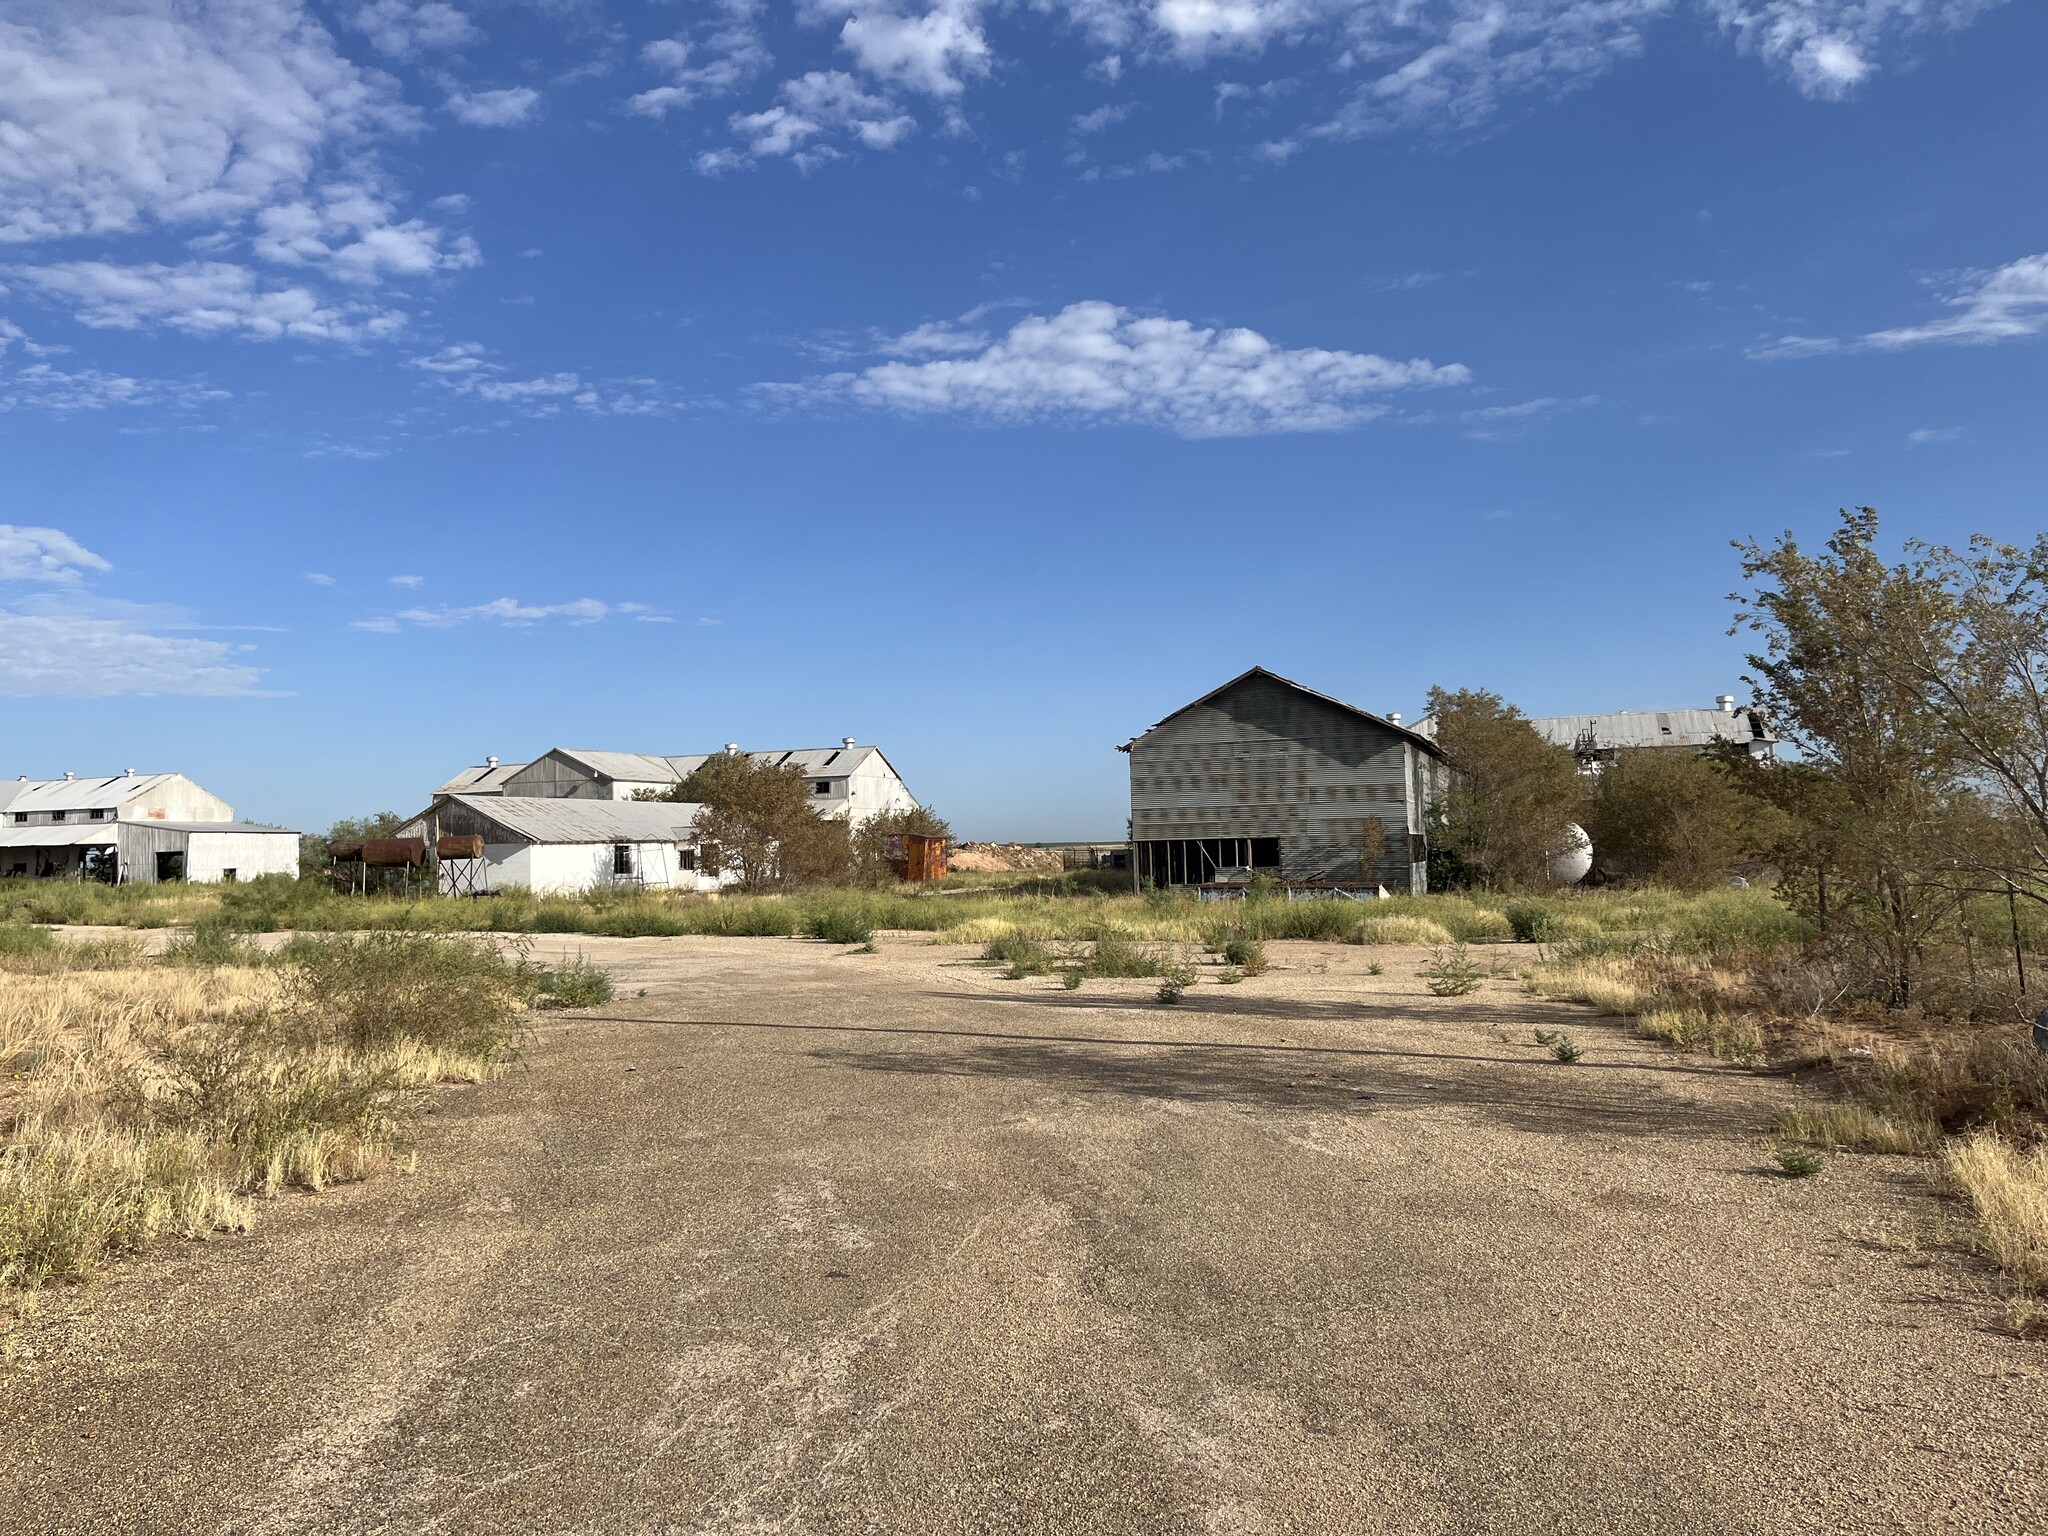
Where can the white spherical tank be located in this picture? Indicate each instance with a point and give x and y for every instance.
(1576, 862)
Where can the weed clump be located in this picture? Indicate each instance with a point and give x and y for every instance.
(839, 927)
(1247, 954)
(572, 984)
(2008, 1189)
(1450, 972)
(1795, 1161)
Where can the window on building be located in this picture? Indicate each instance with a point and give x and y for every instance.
(622, 858)
(227, 877)
(57, 815)
(96, 815)
(821, 786)
(21, 818)
(686, 858)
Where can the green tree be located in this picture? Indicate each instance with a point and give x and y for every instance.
(1677, 818)
(1886, 822)
(757, 822)
(1513, 797)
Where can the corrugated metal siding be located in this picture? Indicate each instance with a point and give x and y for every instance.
(1263, 759)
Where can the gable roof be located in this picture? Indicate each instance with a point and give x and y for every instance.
(579, 821)
(1402, 731)
(482, 779)
(1657, 728)
(79, 794)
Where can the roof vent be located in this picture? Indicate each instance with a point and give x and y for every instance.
(127, 773)
(1725, 702)
(1394, 719)
(69, 775)
(732, 746)
(846, 741)
(490, 762)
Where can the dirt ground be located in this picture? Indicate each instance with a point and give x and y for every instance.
(792, 1240)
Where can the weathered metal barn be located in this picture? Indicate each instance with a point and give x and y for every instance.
(135, 829)
(849, 782)
(570, 844)
(1266, 775)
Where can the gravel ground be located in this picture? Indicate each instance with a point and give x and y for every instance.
(791, 1240)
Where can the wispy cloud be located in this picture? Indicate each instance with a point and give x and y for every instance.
(466, 368)
(1493, 422)
(1098, 362)
(320, 579)
(510, 612)
(42, 387)
(406, 581)
(56, 639)
(204, 298)
(2007, 304)
(508, 108)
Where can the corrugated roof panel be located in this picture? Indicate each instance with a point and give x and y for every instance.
(480, 779)
(584, 821)
(103, 793)
(1652, 728)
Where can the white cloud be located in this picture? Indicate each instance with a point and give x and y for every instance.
(406, 581)
(406, 28)
(204, 298)
(2009, 304)
(1830, 47)
(502, 610)
(494, 109)
(729, 53)
(1096, 361)
(1922, 436)
(89, 657)
(64, 643)
(320, 579)
(349, 231)
(935, 338)
(1494, 422)
(1105, 116)
(936, 51)
(44, 554)
(2004, 305)
(465, 369)
(41, 387)
(813, 108)
(122, 113)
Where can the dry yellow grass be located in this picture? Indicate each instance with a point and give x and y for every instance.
(1399, 928)
(1732, 1037)
(156, 1100)
(1609, 984)
(1857, 1127)
(2008, 1188)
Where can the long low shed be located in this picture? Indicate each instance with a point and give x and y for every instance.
(564, 846)
(146, 852)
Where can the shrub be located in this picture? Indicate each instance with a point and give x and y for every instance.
(1070, 978)
(1247, 954)
(1022, 953)
(1399, 928)
(1565, 1049)
(1116, 955)
(1375, 969)
(839, 927)
(1450, 972)
(212, 941)
(1795, 1161)
(372, 990)
(1533, 922)
(1229, 976)
(572, 984)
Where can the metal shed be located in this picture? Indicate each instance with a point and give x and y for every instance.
(569, 845)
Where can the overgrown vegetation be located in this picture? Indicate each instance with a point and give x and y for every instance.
(145, 1099)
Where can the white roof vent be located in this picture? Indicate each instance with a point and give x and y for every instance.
(490, 762)
(69, 775)
(1394, 719)
(732, 746)
(846, 741)
(1725, 702)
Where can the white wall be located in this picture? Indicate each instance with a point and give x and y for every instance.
(566, 868)
(249, 854)
(177, 799)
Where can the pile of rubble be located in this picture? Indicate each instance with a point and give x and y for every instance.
(993, 858)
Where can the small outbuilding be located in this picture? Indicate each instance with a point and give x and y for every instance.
(566, 846)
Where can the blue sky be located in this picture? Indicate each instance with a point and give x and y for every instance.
(392, 383)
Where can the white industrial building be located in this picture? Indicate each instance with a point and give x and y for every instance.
(133, 829)
(848, 782)
(566, 845)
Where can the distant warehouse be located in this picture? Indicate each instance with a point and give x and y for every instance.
(1596, 740)
(1266, 776)
(133, 829)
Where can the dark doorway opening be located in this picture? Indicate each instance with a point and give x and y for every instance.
(170, 865)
